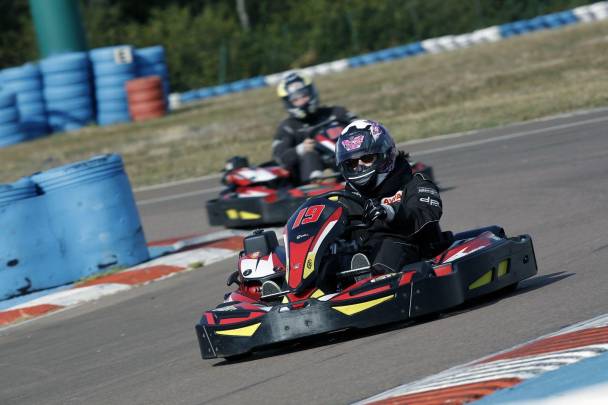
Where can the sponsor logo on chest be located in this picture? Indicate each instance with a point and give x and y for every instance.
(391, 200)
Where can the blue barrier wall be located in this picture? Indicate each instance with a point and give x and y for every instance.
(31, 257)
(67, 91)
(26, 82)
(93, 213)
(113, 67)
(10, 127)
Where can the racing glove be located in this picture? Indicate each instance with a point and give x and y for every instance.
(374, 211)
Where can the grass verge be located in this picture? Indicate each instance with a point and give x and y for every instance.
(488, 85)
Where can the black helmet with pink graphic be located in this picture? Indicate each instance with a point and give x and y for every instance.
(365, 150)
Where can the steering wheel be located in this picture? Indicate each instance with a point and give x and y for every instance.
(354, 198)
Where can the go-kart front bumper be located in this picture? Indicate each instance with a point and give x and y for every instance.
(470, 277)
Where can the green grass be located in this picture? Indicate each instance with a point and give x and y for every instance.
(484, 86)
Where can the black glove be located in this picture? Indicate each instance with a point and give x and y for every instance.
(373, 211)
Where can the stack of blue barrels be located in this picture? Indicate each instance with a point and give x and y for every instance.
(151, 61)
(26, 82)
(67, 223)
(93, 213)
(113, 67)
(67, 91)
(10, 128)
(31, 257)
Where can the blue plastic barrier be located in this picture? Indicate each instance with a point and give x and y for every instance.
(70, 104)
(26, 82)
(536, 24)
(67, 85)
(75, 61)
(30, 255)
(9, 114)
(93, 211)
(113, 67)
(11, 131)
(567, 17)
(257, 82)
(203, 93)
(151, 55)
(189, 96)
(115, 106)
(7, 99)
(221, 89)
(551, 21)
(110, 118)
(61, 93)
(26, 98)
(64, 78)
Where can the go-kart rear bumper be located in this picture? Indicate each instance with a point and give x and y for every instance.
(250, 212)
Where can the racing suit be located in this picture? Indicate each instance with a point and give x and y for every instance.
(411, 227)
(292, 132)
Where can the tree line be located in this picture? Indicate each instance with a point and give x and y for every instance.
(216, 41)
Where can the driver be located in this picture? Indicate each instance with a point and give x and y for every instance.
(403, 208)
(293, 146)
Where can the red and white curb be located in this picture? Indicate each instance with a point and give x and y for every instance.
(191, 253)
(475, 380)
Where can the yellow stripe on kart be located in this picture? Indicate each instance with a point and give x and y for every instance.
(249, 215)
(309, 264)
(503, 268)
(246, 331)
(317, 294)
(481, 281)
(362, 306)
(246, 215)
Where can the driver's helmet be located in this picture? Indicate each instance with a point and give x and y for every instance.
(365, 154)
(299, 95)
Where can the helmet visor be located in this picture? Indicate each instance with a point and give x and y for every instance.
(361, 163)
(300, 97)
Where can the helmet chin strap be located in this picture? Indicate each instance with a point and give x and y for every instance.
(367, 187)
(362, 176)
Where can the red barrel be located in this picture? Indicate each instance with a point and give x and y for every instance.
(146, 98)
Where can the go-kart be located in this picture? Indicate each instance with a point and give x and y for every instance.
(320, 282)
(268, 194)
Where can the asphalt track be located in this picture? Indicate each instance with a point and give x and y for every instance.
(547, 178)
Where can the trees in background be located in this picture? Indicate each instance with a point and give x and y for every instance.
(215, 41)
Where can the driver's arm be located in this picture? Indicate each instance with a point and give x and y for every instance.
(420, 206)
(284, 146)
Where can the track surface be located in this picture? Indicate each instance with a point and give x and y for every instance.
(547, 178)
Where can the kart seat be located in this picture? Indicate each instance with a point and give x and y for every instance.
(261, 242)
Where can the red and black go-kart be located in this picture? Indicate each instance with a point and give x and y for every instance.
(319, 282)
(267, 195)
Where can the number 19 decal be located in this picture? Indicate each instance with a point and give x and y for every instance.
(308, 215)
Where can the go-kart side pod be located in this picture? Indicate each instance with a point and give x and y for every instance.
(421, 289)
